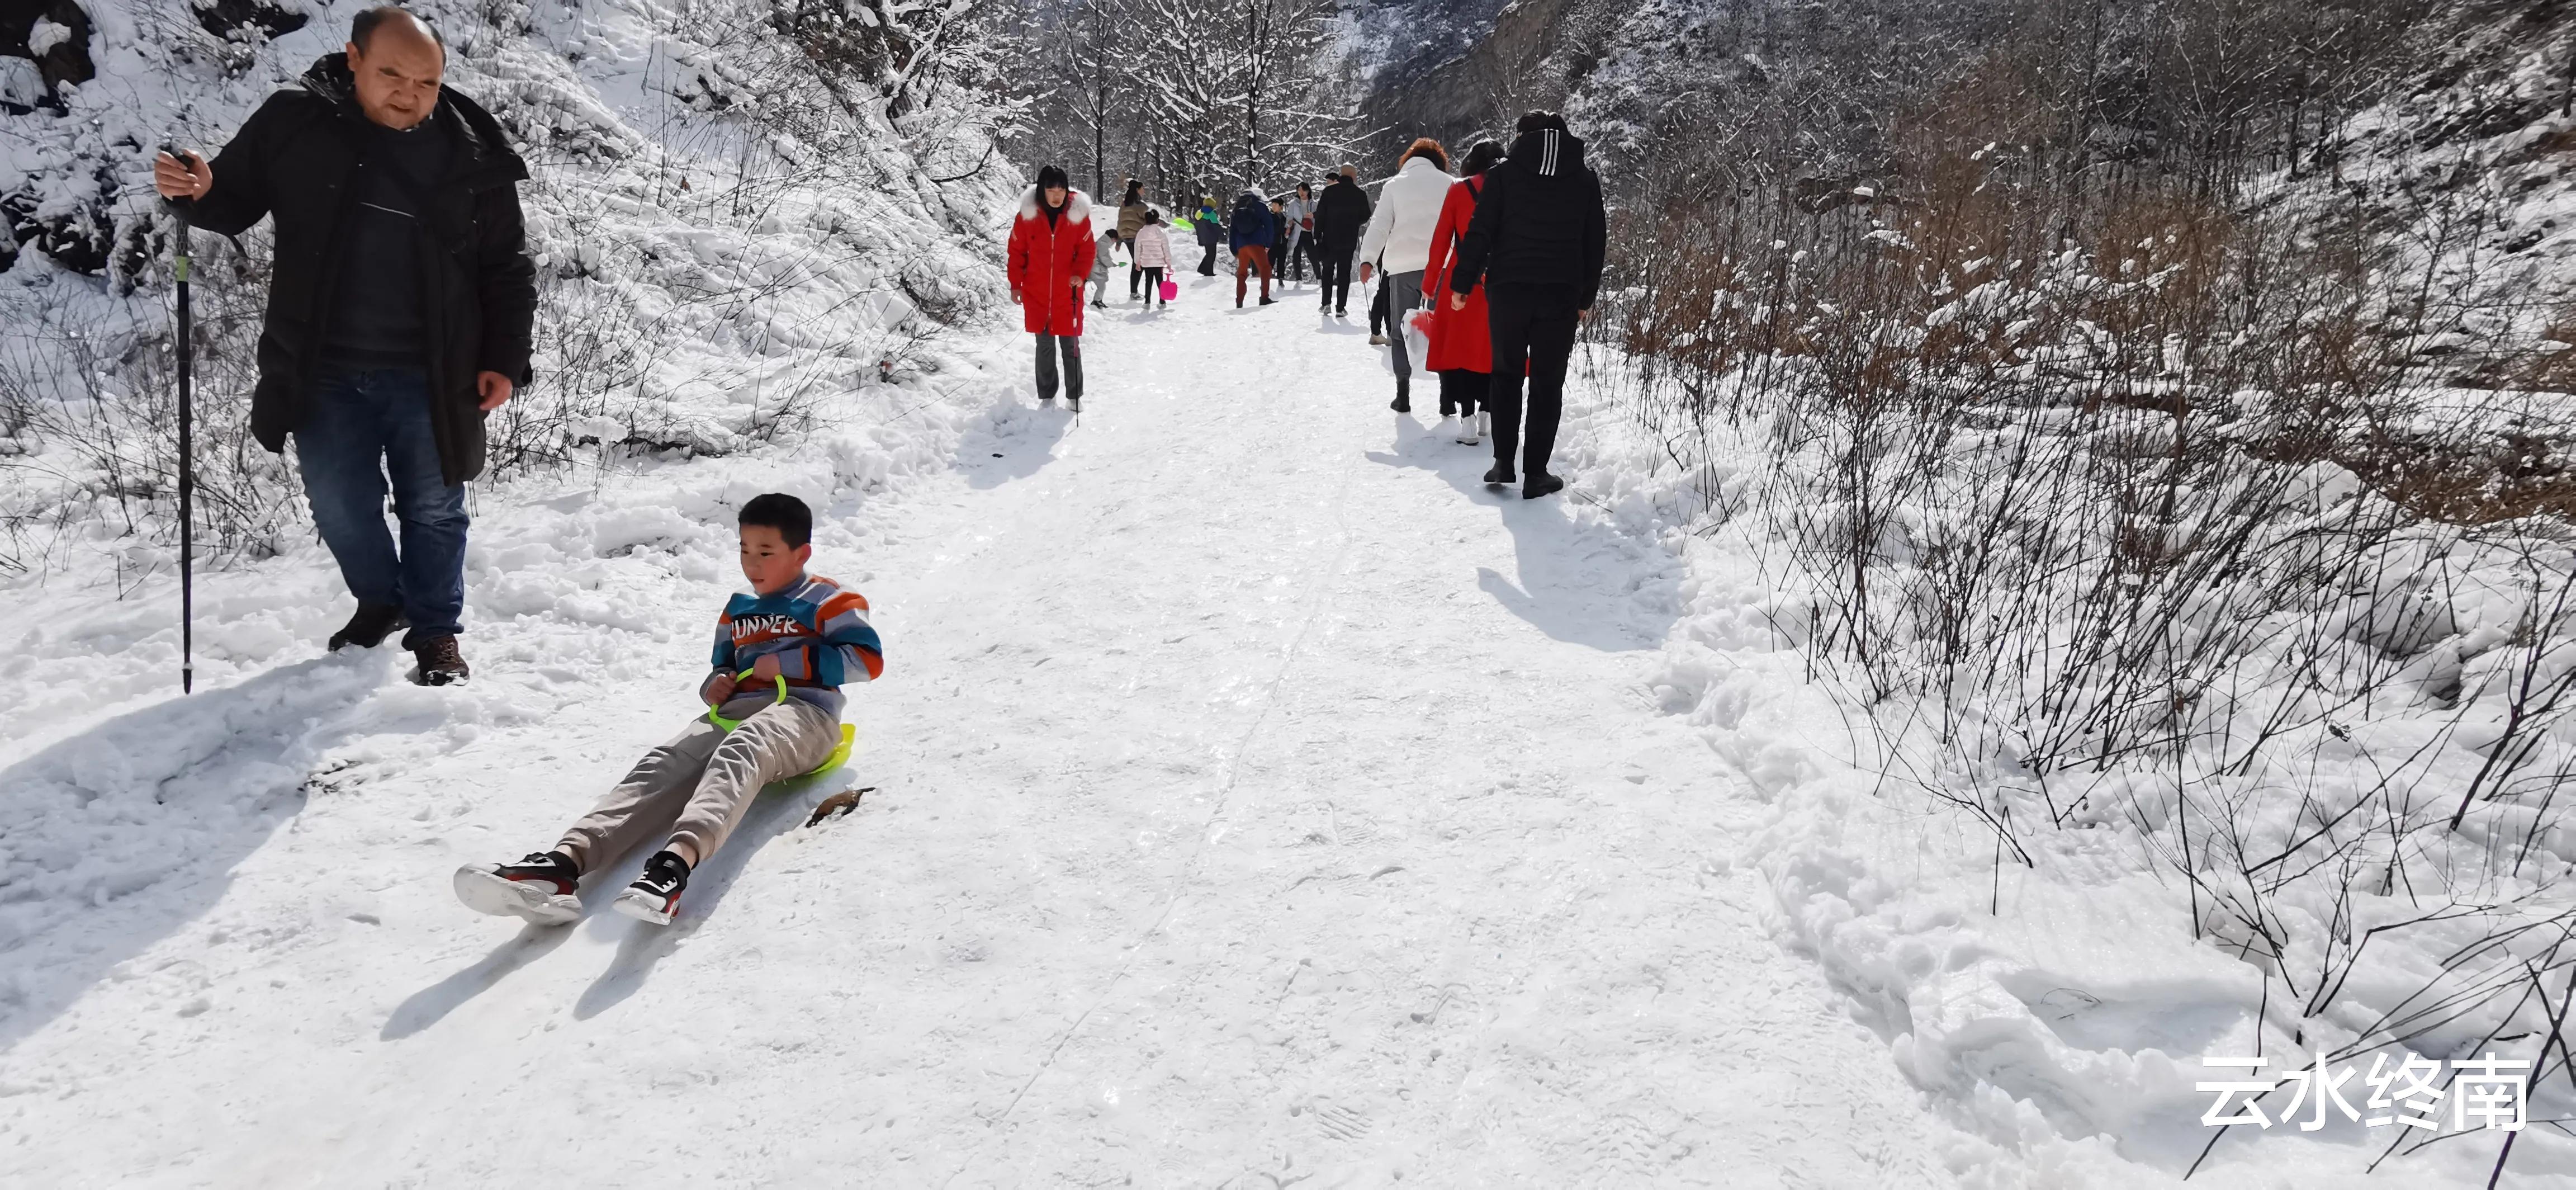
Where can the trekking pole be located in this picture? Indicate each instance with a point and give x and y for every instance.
(187, 479)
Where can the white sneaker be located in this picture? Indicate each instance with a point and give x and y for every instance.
(1471, 430)
(485, 890)
(1073, 403)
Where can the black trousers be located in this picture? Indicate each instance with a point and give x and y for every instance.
(1153, 285)
(1333, 270)
(1460, 389)
(1048, 347)
(1207, 263)
(1533, 326)
(1377, 310)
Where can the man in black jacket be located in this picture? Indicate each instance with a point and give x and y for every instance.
(1341, 215)
(1536, 242)
(401, 306)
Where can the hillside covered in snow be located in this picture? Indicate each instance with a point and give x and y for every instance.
(2068, 570)
(744, 220)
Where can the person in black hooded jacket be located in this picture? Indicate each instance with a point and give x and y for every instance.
(401, 306)
(1537, 243)
(1341, 215)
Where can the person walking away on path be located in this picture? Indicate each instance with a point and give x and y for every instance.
(1249, 238)
(1461, 349)
(782, 653)
(1050, 256)
(1154, 255)
(1399, 236)
(1340, 216)
(1536, 241)
(1299, 207)
(401, 309)
(1211, 232)
(1132, 212)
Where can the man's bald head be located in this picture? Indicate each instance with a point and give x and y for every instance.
(401, 21)
(396, 59)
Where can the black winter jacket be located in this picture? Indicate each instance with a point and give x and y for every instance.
(1341, 215)
(295, 160)
(1540, 221)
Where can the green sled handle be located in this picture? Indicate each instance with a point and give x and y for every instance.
(840, 752)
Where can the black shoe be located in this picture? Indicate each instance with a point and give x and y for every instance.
(369, 626)
(1541, 484)
(655, 895)
(1270, 301)
(441, 662)
(540, 888)
(1401, 405)
(1498, 475)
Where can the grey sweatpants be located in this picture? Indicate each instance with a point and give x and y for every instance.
(700, 782)
(1403, 291)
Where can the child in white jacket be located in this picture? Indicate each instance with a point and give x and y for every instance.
(1154, 255)
(1101, 256)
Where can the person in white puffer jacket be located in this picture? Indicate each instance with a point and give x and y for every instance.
(1399, 232)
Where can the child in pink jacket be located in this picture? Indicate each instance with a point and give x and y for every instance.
(1154, 255)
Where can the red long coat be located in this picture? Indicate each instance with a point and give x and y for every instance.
(1460, 340)
(1046, 259)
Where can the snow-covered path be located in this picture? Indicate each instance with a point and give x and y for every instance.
(1260, 802)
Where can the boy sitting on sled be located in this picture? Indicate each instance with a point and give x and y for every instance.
(793, 627)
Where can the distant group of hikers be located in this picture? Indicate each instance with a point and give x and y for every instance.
(1504, 257)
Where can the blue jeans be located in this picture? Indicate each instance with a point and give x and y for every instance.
(363, 425)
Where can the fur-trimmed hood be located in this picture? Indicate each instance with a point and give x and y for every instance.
(1077, 205)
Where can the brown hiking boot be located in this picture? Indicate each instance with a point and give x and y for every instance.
(441, 662)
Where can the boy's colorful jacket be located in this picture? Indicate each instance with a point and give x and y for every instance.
(818, 632)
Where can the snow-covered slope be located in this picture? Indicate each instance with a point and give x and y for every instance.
(725, 244)
(1258, 799)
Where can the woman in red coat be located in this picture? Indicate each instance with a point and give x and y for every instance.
(1462, 351)
(1050, 259)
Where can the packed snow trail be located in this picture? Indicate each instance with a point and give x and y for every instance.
(1261, 802)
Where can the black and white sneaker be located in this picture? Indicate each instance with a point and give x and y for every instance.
(655, 895)
(1073, 404)
(539, 888)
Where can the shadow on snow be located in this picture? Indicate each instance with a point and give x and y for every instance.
(1576, 583)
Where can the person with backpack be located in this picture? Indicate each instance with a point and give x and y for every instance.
(1460, 349)
(1399, 236)
(1154, 256)
(1249, 238)
(1211, 232)
(1049, 258)
(1536, 242)
(1341, 215)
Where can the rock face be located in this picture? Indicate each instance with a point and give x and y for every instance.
(1460, 67)
(52, 34)
(246, 20)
